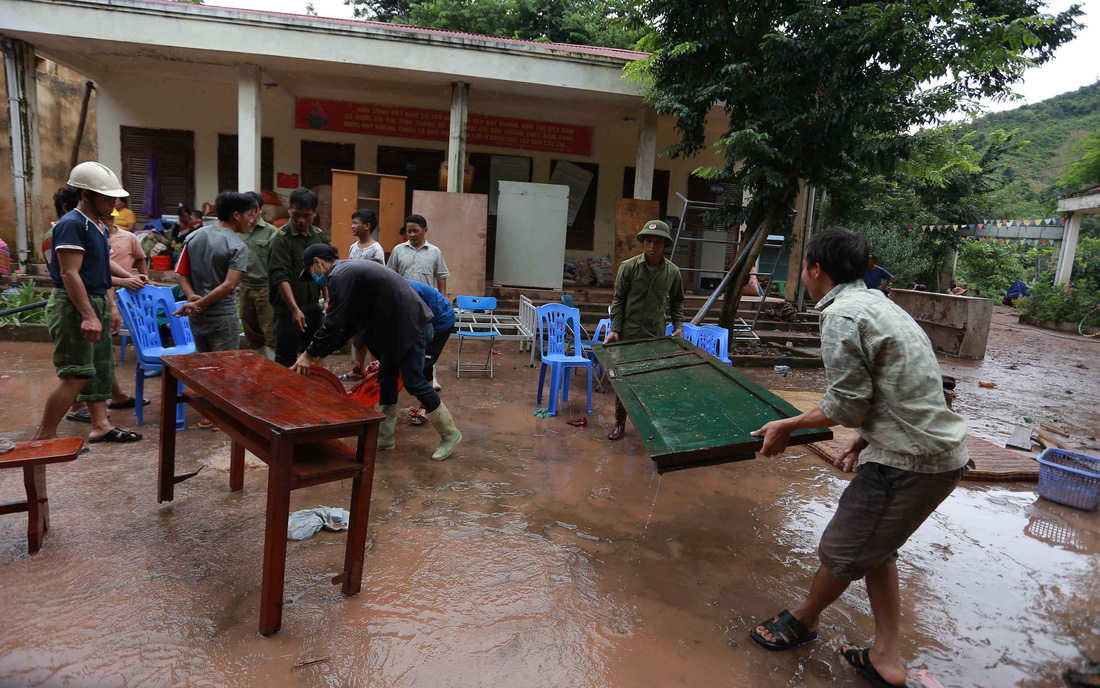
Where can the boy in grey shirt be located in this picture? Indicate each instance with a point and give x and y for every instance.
(209, 269)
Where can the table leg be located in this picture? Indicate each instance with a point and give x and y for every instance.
(361, 486)
(236, 467)
(278, 512)
(167, 470)
(38, 509)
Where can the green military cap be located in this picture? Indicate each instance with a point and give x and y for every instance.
(655, 228)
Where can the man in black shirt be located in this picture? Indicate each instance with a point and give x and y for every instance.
(376, 303)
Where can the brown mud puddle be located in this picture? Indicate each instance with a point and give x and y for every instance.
(540, 555)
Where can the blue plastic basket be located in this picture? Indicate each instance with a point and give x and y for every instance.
(1069, 478)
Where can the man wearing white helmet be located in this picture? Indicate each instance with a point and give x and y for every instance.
(81, 313)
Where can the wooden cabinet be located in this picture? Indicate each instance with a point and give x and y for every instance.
(384, 193)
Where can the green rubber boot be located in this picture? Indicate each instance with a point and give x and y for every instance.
(385, 430)
(444, 424)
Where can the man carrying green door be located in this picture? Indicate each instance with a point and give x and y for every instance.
(644, 286)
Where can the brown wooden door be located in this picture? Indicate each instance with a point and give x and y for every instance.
(175, 151)
(320, 158)
(227, 163)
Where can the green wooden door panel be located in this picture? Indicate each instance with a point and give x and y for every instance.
(690, 408)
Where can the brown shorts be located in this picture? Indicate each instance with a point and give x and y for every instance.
(879, 510)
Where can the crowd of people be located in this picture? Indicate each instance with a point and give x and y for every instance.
(285, 288)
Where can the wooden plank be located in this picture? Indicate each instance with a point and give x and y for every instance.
(1054, 431)
(1021, 438)
(38, 452)
(689, 408)
(630, 215)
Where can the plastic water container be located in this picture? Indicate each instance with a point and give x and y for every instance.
(1069, 478)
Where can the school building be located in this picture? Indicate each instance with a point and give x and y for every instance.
(260, 100)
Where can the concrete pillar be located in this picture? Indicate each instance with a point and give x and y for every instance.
(647, 156)
(249, 119)
(456, 143)
(1069, 249)
(26, 164)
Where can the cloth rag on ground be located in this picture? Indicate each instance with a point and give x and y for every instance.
(305, 523)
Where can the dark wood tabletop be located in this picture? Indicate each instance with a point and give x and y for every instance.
(264, 395)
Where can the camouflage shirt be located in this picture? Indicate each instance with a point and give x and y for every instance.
(885, 382)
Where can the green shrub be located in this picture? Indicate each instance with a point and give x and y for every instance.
(990, 267)
(1060, 302)
(23, 296)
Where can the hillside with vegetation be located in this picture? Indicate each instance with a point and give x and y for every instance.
(1051, 129)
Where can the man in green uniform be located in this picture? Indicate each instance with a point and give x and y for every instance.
(643, 287)
(296, 304)
(253, 300)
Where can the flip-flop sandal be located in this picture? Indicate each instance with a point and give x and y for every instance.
(81, 416)
(417, 417)
(351, 377)
(129, 403)
(788, 632)
(116, 435)
(860, 659)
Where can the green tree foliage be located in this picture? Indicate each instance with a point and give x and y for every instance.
(813, 90)
(1085, 171)
(945, 177)
(908, 256)
(1052, 128)
(990, 267)
(609, 23)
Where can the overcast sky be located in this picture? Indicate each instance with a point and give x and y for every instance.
(1075, 65)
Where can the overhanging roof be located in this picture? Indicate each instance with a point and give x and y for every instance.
(1085, 201)
(99, 37)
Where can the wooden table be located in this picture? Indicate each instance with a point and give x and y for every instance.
(292, 423)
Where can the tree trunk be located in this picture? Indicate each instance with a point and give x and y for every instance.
(732, 298)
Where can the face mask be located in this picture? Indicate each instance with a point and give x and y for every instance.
(321, 280)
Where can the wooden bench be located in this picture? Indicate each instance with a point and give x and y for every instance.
(32, 457)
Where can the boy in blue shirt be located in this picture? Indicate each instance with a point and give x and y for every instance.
(876, 277)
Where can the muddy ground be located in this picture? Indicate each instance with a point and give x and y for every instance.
(541, 554)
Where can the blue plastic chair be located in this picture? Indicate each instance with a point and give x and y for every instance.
(713, 339)
(139, 314)
(486, 328)
(557, 324)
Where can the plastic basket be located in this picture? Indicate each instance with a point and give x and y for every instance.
(1069, 478)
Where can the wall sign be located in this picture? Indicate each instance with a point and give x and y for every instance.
(287, 181)
(434, 125)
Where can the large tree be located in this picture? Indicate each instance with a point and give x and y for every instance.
(609, 23)
(812, 90)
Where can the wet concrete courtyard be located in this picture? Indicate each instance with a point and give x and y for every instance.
(540, 554)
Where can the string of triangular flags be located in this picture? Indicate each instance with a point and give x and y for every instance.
(971, 228)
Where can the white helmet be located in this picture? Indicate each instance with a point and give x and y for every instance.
(96, 177)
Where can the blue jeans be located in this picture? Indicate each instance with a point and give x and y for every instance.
(411, 369)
